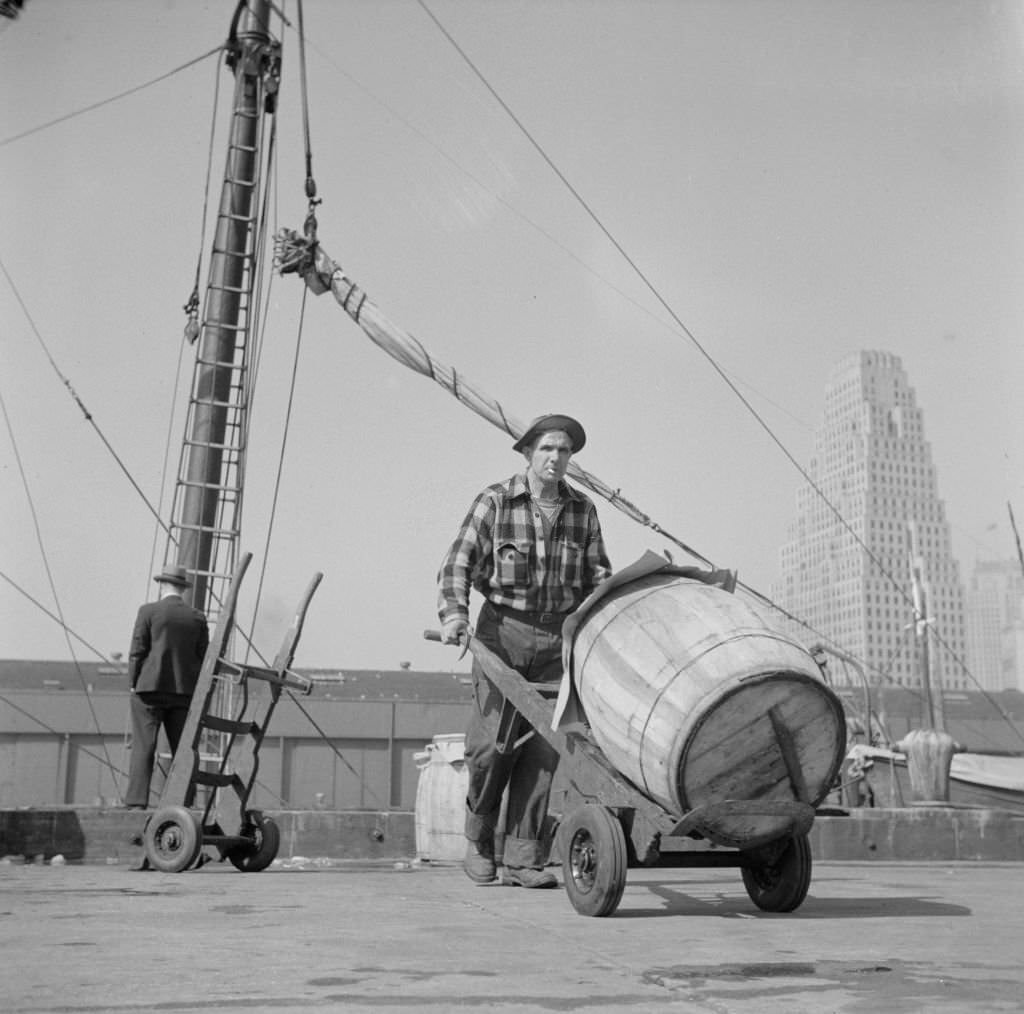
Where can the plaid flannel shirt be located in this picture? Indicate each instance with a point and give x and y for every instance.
(500, 550)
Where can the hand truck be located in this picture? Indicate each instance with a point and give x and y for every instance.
(174, 836)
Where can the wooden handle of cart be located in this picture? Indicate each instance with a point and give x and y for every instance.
(463, 641)
(436, 635)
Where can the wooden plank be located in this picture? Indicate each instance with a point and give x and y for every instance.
(787, 747)
(258, 701)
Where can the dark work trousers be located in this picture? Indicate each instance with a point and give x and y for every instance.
(536, 653)
(150, 711)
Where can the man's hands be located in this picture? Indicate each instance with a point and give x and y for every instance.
(455, 631)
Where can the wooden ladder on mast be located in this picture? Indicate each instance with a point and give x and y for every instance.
(205, 530)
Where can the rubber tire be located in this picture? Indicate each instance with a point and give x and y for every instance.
(594, 860)
(782, 885)
(172, 839)
(261, 853)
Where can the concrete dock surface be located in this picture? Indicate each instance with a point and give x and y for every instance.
(398, 936)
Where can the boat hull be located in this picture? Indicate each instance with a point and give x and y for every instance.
(880, 777)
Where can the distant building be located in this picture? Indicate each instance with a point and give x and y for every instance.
(995, 624)
(852, 583)
(353, 744)
(357, 742)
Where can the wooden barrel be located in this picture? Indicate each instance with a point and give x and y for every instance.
(441, 799)
(696, 699)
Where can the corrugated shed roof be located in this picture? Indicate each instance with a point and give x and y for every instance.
(336, 684)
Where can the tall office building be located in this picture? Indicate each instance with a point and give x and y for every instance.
(995, 624)
(847, 568)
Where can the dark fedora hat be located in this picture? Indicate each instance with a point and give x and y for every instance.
(173, 574)
(547, 423)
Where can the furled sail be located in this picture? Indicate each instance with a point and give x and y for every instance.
(296, 253)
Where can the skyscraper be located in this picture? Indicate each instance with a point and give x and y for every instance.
(847, 569)
(995, 624)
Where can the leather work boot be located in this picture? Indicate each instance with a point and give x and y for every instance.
(479, 862)
(525, 876)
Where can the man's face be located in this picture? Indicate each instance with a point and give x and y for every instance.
(549, 458)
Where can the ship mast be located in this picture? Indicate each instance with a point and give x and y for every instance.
(206, 516)
(934, 710)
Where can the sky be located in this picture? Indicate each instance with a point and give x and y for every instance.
(795, 180)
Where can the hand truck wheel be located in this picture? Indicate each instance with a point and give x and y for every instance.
(781, 885)
(594, 860)
(172, 839)
(266, 840)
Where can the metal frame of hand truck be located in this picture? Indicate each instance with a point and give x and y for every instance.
(174, 836)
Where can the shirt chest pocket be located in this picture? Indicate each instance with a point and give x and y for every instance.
(573, 556)
(512, 565)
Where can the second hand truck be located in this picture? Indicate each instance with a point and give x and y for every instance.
(174, 835)
(613, 825)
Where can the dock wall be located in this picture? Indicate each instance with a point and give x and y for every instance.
(113, 836)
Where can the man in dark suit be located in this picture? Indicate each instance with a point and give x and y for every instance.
(168, 645)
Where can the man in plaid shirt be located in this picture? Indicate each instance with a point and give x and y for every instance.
(532, 546)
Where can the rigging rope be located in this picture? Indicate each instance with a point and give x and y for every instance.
(74, 395)
(56, 732)
(21, 591)
(256, 335)
(191, 308)
(53, 586)
(1016, 536)
(310, 224)
(107, 101)
(280, 459)
(337, 753)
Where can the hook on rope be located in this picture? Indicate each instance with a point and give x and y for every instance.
(310, 225)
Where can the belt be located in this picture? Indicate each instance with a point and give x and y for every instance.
(538, 619)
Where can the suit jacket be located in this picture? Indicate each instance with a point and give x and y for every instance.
(168, 645)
